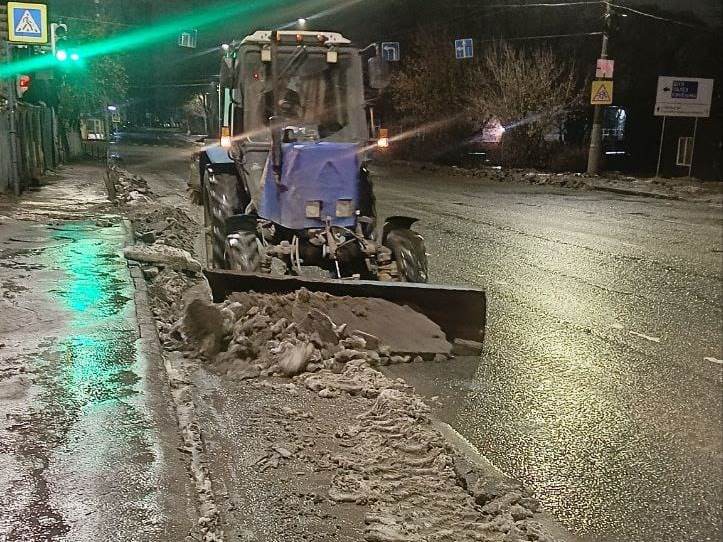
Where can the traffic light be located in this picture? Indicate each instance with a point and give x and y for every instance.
(59, 44)
(23, 84)
(58, 35)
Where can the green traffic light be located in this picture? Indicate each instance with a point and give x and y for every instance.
(75, 57)
(61, 55)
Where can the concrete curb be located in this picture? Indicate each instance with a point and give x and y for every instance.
(206, 521)
(631, 192)
(471, 454)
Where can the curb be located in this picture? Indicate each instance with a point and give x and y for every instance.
(630, 192)
(206, 519)
(471, 454)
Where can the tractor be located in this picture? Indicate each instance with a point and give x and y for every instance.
(287, 195)
(288, 187)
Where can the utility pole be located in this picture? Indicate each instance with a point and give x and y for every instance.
(13, 128)
(593, 157)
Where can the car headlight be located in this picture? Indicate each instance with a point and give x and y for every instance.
(313, 209)
(344, 208)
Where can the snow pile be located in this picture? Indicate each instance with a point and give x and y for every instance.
(124, 187)
(253, 335)
(398, 464)
(164, 225)
(393, 460)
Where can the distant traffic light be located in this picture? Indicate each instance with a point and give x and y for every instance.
(58, 34)
(23, 84)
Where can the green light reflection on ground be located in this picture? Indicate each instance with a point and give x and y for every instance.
(96, 291)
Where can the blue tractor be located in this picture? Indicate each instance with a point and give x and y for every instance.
(288, 182)
(286, 190)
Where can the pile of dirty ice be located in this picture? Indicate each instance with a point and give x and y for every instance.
(394, 460)
(124, 187)
(310, 333)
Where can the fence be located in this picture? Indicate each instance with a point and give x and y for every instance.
(36, 148)
(42, 144)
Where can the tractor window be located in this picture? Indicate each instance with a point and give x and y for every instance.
(316, 96)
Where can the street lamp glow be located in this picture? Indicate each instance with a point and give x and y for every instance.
(75, 57)
(225, 46)
(112, 108)
(61, 55)
(301, 21)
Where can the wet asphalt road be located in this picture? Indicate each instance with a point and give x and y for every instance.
(594, 388)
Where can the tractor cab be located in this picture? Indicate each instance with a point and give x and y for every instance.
(293, 111)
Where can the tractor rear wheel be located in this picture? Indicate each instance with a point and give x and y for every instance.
(242, 252)
(410, 255)
(221, 199)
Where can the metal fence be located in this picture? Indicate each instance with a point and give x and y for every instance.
(36, 150)
(42, 145)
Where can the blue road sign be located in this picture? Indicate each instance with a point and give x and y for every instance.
(390, 51)
(28, 23)
(464, 48)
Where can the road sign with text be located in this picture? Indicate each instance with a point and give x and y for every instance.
(601, 93)
(27, 23)
(683, 97)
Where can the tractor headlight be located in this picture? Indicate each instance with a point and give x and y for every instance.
(313, 209)
(344, 208)
(226, 137)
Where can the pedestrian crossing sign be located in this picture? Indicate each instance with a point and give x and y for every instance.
(27, 23)
(602, 93)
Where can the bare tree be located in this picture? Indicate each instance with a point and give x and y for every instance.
(197, 107)
(528, 92)
(431, 95)
(432, 84)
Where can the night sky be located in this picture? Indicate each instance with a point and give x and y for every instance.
(363, 21)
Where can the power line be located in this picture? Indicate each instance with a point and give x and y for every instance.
(539, 5)
(651, 16)
(96, 21)
(176, 85)
(549, 36)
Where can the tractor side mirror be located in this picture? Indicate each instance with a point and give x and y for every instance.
(277, 138)
(379, 74)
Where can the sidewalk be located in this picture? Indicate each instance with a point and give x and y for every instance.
(684, 189)
(88, 443)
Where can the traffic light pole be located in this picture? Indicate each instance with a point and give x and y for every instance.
(13, 121)
(593, 157)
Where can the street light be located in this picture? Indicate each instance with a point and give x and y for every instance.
(61, 55)
(301, 21)
(225, 46)
(112, 108)
(75, 57)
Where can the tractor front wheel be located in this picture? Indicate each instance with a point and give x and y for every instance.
(410, 255)
(242, 252)
(220, 199)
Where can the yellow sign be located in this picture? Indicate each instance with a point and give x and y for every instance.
(27, 23)
(602, 93)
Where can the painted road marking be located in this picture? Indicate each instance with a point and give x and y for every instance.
(714, 360)
(646, 337)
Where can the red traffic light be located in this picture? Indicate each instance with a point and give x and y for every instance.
(23, 84)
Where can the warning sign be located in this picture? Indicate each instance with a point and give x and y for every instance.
(602, 93)
(28, 23)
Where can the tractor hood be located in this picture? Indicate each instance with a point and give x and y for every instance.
(323, 173)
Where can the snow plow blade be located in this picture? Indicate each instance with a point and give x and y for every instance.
(459, 311)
